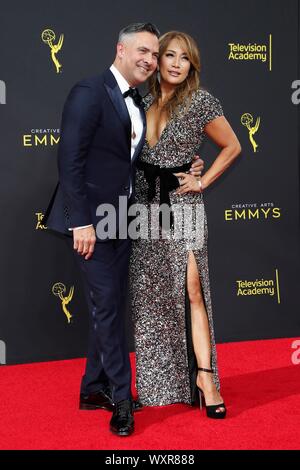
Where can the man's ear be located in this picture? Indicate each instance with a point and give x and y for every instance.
(120, 50)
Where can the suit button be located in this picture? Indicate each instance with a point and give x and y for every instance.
(126, 188)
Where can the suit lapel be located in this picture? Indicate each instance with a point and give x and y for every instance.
(142, 139)
(119, 104)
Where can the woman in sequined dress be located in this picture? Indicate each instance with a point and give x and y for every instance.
(169, 278)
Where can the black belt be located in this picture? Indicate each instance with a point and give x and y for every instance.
(167, 180)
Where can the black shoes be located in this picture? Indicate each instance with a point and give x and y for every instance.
(122, 422)
(212, 411)
(102, 400)
(94, 401)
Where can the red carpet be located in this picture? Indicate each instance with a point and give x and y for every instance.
(260, 385)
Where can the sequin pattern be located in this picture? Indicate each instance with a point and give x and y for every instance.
(158, 267)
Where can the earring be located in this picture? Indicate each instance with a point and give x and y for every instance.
(158, 76)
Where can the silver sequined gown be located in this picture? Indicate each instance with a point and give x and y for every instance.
(165, 362)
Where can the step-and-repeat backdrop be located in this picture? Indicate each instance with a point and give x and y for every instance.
(250, 61)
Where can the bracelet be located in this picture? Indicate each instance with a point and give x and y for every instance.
(200, 185)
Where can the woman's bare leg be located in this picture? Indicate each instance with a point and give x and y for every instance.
(201, 334)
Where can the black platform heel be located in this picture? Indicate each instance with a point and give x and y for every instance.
(211, 410)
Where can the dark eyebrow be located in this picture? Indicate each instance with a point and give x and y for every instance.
(174, 52)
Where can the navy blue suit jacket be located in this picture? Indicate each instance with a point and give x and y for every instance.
(94, 154)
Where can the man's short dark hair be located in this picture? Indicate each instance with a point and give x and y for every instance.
(138, 28)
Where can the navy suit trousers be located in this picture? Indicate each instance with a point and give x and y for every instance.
(105, 278)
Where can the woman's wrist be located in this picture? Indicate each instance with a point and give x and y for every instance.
(202, 184)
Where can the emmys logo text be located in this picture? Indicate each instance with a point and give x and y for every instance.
(2, 92)
(2, 352)
(252, 211)
(41, 137)
(48, 37)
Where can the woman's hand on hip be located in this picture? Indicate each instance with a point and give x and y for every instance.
(188, 183)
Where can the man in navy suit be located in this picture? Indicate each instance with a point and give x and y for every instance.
(102, 133)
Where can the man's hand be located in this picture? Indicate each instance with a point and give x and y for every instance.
(84, 241)
(197, 167)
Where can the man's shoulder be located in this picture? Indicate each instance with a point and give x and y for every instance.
(89, 88)
(92, 82)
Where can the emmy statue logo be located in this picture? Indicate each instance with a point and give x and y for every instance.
(48, 36)
(247, 121)
(2, 92)
(59, 290)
